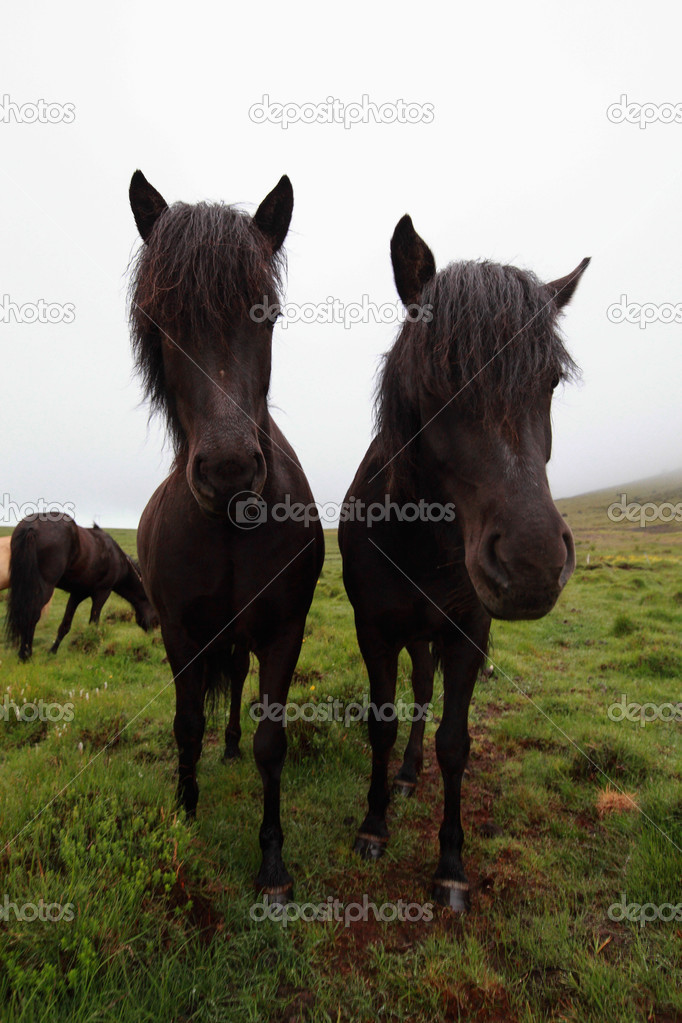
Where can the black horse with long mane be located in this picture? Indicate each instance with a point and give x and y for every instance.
(50, 551)
(464, 427)
(226, 578)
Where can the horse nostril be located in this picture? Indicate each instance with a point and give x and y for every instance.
(569, 561)
(201, 476)
(492, 562)
(214, 477)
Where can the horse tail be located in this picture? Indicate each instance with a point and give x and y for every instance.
(26, 590)
(437, 654)
(436, 648)
(224, 676)
(217, 680)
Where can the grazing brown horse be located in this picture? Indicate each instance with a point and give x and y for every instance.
(5, 542)
(463, 422)
(225, 577)
(51, 551)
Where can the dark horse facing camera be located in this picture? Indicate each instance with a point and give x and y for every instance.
(226, 582)
(50, 551)
(464, 422)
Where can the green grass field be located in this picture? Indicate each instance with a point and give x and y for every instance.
(566, 811)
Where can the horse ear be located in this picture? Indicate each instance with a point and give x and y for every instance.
(413, 262)
(562, 289)
(146, 203)
(273, 216)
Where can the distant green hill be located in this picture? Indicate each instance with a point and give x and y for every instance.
(593, 527)
(666, 487)
(587, 514)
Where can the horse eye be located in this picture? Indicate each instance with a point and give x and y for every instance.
(555, 383)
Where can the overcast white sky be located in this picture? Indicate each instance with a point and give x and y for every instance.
(520, 164)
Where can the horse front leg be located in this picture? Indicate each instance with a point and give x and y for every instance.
(188, 670)
(99, 599)
(381, 660)
(462, 658)
(405, 780)
(277, 663)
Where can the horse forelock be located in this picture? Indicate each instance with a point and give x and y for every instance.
(202, 271)
(485, 338)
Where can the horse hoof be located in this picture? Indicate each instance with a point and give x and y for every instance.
(231, 753)
(452, 894)
(404, 788)
(280, 896)
(188, 812)
(370, 847)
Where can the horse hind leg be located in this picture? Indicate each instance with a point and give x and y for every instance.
(26, 645)
(65, 626)
(239, 669)
(405, 781)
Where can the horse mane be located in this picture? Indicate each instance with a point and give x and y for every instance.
(487, 339)
(135, 564)
(203, 268)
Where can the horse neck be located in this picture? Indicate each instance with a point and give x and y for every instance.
(410, 487)
(131, 588)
